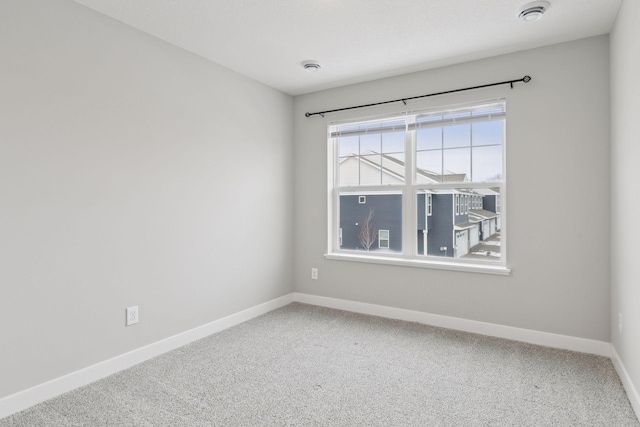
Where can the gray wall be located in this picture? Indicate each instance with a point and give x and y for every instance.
(625, 174)
(131, 172)
(558, 161)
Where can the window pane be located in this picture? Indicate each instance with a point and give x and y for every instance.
(349, 170)
(347, 145)
(361, 222)
(393, 142)
(429, 139)
(370, 144)
(429, 166)
(468, 234)
(370, 170)
(393, 159)
(456, 136)
(457, 165)
(393, 170)
(488, 133)
(487, 163)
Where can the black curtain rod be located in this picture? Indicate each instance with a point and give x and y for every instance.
(525, 79)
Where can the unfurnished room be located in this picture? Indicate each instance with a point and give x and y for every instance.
(319, 213)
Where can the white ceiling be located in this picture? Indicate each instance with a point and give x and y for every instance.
(353, 40)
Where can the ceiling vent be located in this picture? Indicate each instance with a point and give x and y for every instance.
(533, 11)
(311, 66)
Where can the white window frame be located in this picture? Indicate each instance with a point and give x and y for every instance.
(408, 190)
(387, 239)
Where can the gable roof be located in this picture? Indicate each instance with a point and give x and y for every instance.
(395, 168)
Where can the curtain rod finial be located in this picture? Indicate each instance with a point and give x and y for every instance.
(526, 79)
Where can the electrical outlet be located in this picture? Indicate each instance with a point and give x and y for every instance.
(132, 315)
(314, 273)
(620, 323)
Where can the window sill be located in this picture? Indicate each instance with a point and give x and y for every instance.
(439, 265)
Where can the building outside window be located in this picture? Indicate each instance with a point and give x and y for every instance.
(432, 179)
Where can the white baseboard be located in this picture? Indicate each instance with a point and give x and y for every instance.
(34, 395)
(546, 339)
(632, 391)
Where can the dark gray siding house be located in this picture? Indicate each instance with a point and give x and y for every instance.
(489, 203)
(443, 232)
(387, 215)
(441, 225)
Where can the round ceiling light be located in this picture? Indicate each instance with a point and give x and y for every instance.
(310, 66)
(533, 11)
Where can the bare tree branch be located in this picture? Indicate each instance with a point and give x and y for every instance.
(368, 234)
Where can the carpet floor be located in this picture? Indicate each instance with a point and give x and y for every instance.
(303, 365)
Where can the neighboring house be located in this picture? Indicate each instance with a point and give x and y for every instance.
(490, 214)
(450, 222)
(385, 224)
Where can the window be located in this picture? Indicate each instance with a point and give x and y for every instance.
(433, 179)
(383, 239)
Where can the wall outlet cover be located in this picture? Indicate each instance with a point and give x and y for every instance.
(132, 315)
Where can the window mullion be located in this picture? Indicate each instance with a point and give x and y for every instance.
(409, 205)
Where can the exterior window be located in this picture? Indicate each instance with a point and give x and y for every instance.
(383, 239)
(442, 170)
